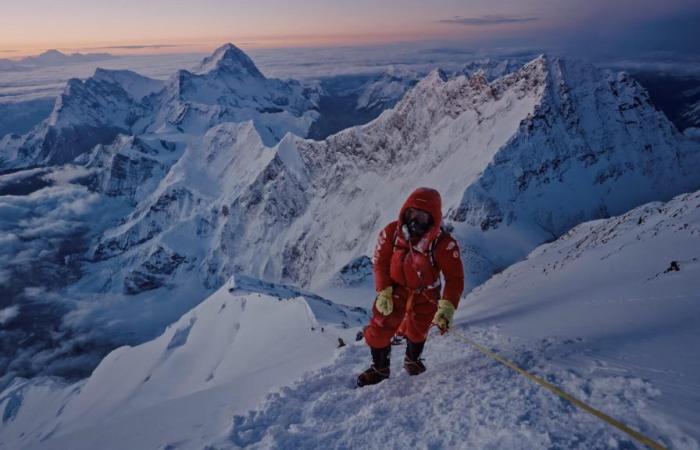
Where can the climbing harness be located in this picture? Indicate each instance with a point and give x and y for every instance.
(568, 397)
(422, 289)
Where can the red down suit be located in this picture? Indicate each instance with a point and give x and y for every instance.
(413, 268)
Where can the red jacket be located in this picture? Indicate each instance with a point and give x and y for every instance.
(413, 268)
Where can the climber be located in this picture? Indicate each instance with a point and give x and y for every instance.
(410, 254)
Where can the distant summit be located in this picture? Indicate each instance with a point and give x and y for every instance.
(231, 59)
(51, 57)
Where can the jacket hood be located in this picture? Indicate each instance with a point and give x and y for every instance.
(428, 200)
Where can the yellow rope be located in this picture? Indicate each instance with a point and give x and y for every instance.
(589, 409)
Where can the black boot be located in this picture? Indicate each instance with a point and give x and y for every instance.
(379, 370)
(413, 362)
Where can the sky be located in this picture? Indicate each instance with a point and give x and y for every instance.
(167, 26)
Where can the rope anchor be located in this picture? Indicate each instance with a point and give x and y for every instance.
(639, 437)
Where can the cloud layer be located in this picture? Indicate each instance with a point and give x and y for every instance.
(42, 235)
(491, 19)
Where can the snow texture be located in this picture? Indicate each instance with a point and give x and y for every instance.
(598, 312)
(553, 314)
(224, 355)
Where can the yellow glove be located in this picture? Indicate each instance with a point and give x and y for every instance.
(384, 303)
(443, 316)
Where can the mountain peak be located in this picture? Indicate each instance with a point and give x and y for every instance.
(436, 77)
(52, 51)
(51, 56)
(231, 59)
(437, 74)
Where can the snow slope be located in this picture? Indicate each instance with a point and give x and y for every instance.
(608, 286)
(219, 358)
(463, 401)
(593, 312)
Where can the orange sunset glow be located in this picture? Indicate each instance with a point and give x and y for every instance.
(161, 26)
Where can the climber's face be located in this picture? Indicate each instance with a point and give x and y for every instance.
(418, 221)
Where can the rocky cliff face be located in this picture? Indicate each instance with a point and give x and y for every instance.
(594, 146)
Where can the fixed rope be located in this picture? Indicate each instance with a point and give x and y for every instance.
(639, 437)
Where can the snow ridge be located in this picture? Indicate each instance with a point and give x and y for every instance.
(230, 58)
(538, 313)
(243, 342)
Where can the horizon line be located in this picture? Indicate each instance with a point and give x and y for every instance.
(128, 48)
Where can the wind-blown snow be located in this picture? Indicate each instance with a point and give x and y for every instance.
(463, 401)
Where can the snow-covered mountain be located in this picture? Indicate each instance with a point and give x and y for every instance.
(49, 58)
(518, 161)
(598, 312)
(220, 358)
(227, 88)
(491, 68)
(187, 191)
(349, 100)
(592, 129)
(53, 56)
(386, 90)
(86, 114)
(130, 166)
